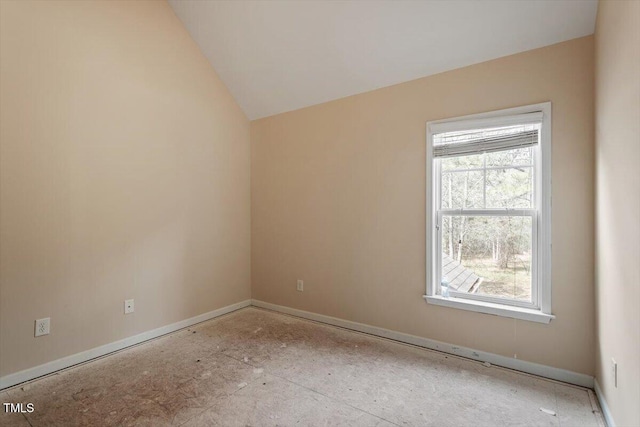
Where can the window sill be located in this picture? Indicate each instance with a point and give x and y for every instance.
(491, 308)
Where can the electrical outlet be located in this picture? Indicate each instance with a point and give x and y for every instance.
(43, 326)
(300, 285)
(128, 306)
(614, 372)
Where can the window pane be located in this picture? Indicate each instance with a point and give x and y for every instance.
(520, 156)
(462, 162)
(487, 255)
(510, 188)
(487, 185)
(462, 190)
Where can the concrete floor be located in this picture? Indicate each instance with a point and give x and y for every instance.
(256, 367)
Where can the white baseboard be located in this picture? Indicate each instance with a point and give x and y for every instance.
(557, 374)
(74, 359)
(608, 417)
(516, 364)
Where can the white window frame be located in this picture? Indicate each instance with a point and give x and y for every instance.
(539, 310)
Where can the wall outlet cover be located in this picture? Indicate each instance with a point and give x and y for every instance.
(43, 326)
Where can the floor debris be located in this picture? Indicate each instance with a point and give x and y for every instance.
(389, 379)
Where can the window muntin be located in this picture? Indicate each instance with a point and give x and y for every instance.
(498, 180)
(487, 189)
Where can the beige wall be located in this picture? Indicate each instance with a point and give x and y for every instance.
(338, 200)
(124, 174)
(618, 206)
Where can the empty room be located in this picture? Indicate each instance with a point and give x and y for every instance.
(320, 213)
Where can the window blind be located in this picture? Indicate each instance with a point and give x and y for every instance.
(479, 143)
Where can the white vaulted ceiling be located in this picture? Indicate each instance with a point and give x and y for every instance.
(277, 56)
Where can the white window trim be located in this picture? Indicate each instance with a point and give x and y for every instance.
(541, 312)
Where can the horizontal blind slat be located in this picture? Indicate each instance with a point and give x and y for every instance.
(483, 123)
(487, 145)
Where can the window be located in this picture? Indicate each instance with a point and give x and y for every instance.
(488, 213)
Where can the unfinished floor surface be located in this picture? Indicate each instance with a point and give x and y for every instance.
(256, 367)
